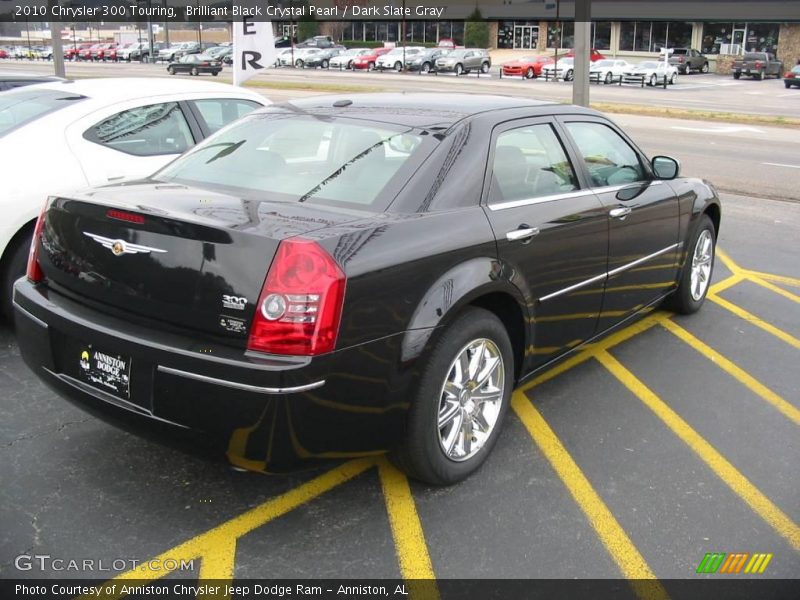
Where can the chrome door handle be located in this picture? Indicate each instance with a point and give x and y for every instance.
(620, 213)
(522, 234)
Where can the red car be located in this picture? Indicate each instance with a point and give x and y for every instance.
(90, 52)
(595, 55)
(3, 54)
(527, 66)
(73, 52)
(367, 61)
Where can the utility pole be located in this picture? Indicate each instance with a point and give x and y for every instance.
(583, 30)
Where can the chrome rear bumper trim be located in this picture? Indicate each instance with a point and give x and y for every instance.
(242, 386)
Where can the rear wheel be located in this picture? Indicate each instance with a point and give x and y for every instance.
(171, 70)
(194, 72)
(673, 79)
(569, 75)
(13, 269)
(398, 66)
(761, 75)
(371, 66)
(697, 270)
(704, 69)
(737, 75)
(653, 80)
(609, 78)
(787, 84)
(215, 73)
(325, 64)
(299, 63)
(461, 402)
(426, 67)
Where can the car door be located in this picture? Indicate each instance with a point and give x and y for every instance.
(643, 217)
(551, 231)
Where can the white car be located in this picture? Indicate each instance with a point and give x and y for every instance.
(298, 57)
(563, 69)
(344, 60)
(654, 72)
(609, 69)
(60, 136)
(395, 58)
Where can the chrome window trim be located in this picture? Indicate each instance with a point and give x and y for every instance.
(564, 196)
(241, 386)
(609, 274)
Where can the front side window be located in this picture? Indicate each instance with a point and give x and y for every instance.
(609, 159)
(218, 112)
(530, 162)
(144, 131)
(299, 158)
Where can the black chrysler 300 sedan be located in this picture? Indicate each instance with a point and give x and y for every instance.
(338, 277)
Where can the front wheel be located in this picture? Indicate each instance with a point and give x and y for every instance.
(371, 66)
(609, 78)
(215, 73)
(171, 70)
(299, 63)
(653, 80)
(787, 84)
(194, 72)
(461, 402)
(485, 67)
(459, 69)
(325, 64)
(673, 79)
(426, 67)
(697, 270)
(569, 75)
(761, 75)
(737, 75)
(705, 68)
(529, 73)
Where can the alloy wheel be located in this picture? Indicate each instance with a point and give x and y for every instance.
(701, 265)
(471, 399)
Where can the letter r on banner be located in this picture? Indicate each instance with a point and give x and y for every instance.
(253, 48)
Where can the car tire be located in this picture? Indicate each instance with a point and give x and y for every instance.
(698, 269)
(299, 63)
(171, 70)
(459, 69)
(685, 71)
(423, 454)
(608, 78)
(529, 74)
(787, 84)
(14, 268)
(426, 67)
(194, 72)
(761, 75)
(371, 66)
(704, 68)
(215, 73)
(485, 68)
(737, 75)
(673, 79)
(653, 80)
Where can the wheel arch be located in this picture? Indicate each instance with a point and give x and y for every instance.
(21, 233)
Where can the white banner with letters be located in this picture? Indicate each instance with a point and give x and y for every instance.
(253, 48)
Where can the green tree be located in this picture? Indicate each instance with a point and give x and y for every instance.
(307, 27)
(476, 31)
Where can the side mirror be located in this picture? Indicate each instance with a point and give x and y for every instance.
(665, 167)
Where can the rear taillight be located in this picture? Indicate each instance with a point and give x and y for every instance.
(758, 64)
(300, 305)
(680, 59)
(34, 271)
(788, 75)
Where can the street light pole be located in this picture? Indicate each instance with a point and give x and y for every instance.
(583, 29)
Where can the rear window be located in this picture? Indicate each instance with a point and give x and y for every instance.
(679, 51)
(25, 106)
(755, 56)
(306, 157)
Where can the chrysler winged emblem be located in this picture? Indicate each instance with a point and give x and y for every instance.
(120, 247)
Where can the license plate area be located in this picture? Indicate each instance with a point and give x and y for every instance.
(105, 370)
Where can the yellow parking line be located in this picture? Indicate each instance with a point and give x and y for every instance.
(218, 565)
(728, 262)
(218, 542)
(409, 538)
(773, 288)
(616, 541)
(740, 485)
(750, 382)
(758, 322)
(774, 278)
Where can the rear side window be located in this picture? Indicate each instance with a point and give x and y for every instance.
(529, 162)
(150, 130)
(25, 106)
(216, 113)
(609, 159)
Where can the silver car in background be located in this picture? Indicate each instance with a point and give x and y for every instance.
(465, 60)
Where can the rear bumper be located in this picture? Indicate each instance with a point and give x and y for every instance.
(263, 413)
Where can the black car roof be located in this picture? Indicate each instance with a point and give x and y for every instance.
(419, 109)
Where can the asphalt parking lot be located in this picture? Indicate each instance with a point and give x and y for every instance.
(670, 439)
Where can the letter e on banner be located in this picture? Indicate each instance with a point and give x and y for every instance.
(253, 48)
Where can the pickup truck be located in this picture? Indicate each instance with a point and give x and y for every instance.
(687, 60)
(758, 65)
